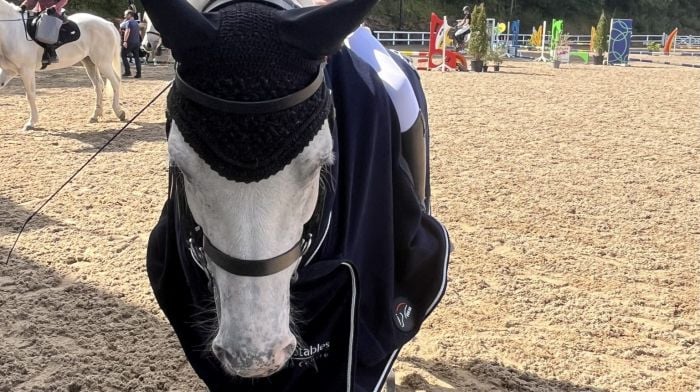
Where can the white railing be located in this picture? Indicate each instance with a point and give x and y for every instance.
(400, 38)
(686, 41)
(422, 38)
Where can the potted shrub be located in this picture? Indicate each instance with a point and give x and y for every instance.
(495, 58)
(479, 40)
(560, 49)
(600, 43)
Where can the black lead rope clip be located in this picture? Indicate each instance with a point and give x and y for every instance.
(306, 243)
(197, 253)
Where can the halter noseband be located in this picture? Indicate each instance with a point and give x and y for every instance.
(205, 251)
(251, 267)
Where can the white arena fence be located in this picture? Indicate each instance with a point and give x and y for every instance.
(422, 38)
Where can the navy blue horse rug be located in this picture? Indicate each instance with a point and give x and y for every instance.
(376, 268)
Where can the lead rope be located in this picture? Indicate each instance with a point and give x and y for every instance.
(21, 230)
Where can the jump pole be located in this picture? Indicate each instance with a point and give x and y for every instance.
(508, 38)
(544, 34)
(507, 33)
(444, 42)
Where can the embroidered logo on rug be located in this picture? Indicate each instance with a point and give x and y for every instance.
(403, 315)
(306, 356)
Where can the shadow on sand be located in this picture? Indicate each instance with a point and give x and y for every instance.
(60, 333)
(13, 216)
(144, 132)
(76, 77)
(482, 376)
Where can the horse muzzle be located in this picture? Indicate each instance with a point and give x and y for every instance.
(243, 362)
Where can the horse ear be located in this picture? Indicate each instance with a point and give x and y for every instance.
(319, 31)
(182, 27)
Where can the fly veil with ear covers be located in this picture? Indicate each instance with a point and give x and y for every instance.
(248, 96)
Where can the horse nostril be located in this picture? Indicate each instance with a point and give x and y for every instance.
(283, 355)
(222, 354)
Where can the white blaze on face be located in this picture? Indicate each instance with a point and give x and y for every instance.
(253, 221)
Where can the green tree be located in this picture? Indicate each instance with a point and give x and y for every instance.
(600, 44)
(479, 39)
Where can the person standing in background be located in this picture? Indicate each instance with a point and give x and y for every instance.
(131, 43)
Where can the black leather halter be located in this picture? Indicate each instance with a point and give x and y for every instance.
(252, 267)
(203, 251)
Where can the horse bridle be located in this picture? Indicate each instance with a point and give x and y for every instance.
(207, 251)
(204, 251)
(156, 34)
(160, 42)
(240, 267)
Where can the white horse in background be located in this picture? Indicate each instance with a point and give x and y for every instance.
(98, 49)
(152, 42)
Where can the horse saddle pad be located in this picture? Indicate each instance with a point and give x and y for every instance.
(67, 32)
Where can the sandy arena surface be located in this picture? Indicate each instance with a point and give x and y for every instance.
(672, 59)
(572, 197)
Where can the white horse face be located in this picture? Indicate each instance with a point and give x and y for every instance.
(253, 221)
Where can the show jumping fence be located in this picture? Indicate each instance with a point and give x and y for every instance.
(639, 41)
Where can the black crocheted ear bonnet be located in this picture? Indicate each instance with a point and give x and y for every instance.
(248, 62)
(251, 51)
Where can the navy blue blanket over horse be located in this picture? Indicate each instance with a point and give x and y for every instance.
(376, 269)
